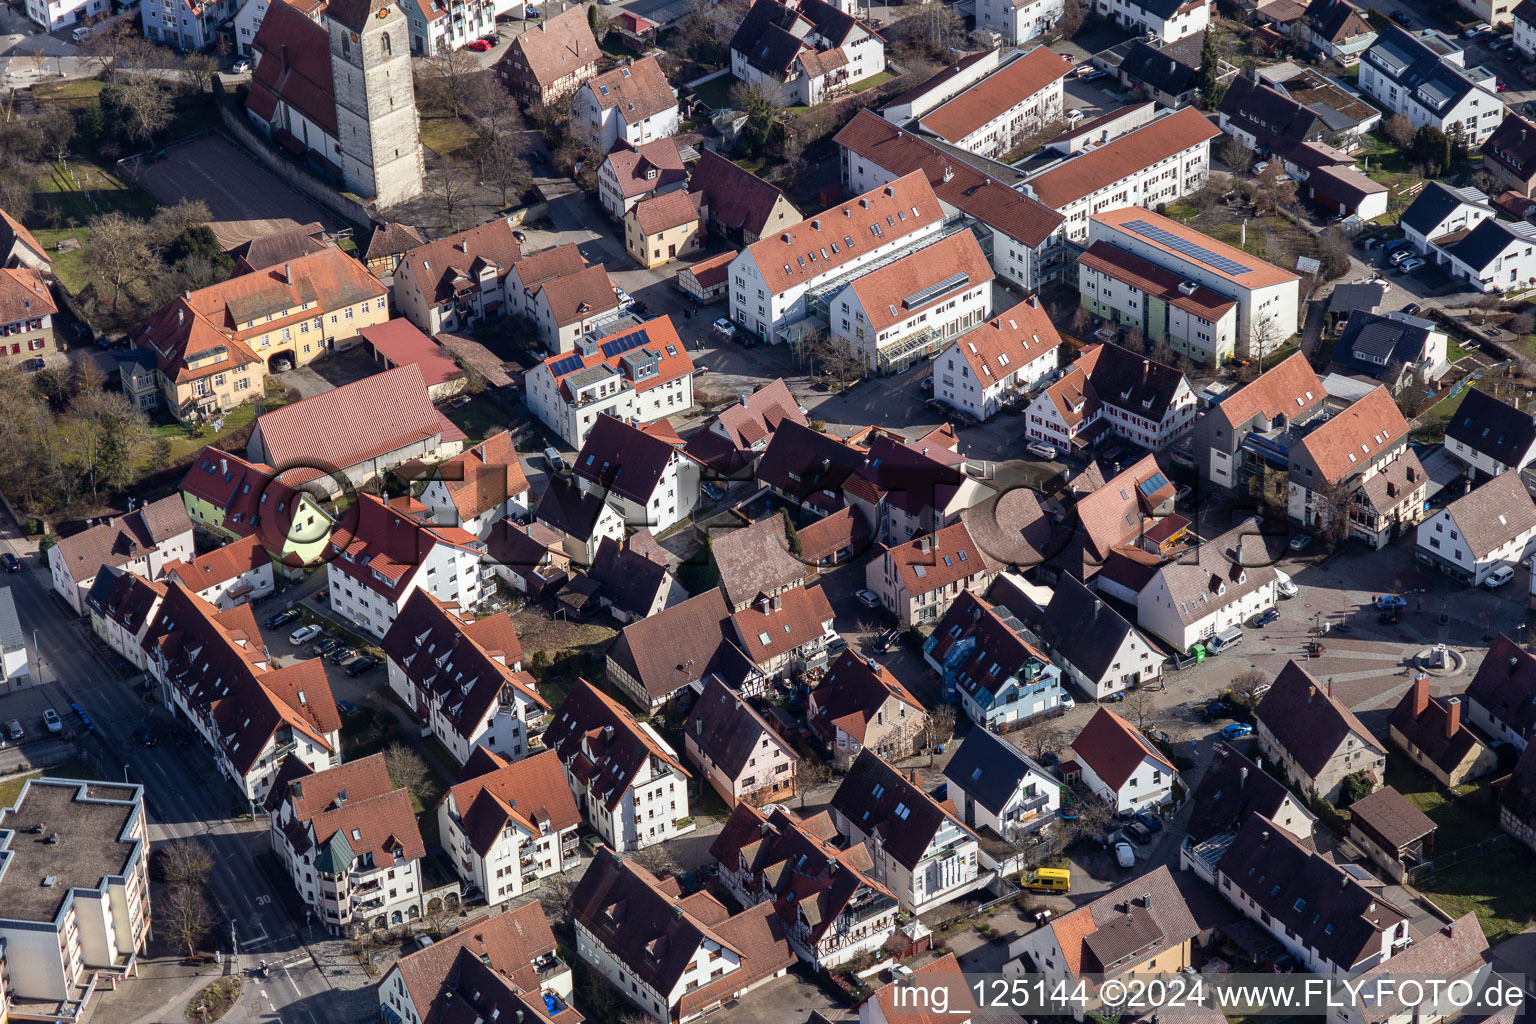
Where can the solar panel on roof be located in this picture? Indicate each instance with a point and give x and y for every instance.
(1185, 247)
(1153, 484)
(950, 283)
(618, 346)
(565, 365)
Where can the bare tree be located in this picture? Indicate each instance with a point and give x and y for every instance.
(554, 896)
(452, 190)
(184, 914)
(1238, 157)
(185, 862)
(197, 70)
(502, 167)
(1039, 740)
(448, 73)
(1398, 130)
(117, 249)
(146, 108)
(1246, 682)
(838, 359)
(658, 859)
(1140, 707)
(406, 767)
(811, 773)
(941, 727)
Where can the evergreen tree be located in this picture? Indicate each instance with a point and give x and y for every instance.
(1210, 71)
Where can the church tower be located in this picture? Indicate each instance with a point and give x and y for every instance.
(376, 118)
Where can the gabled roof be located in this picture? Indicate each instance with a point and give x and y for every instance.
(220, 565)
(1489, 240)
(637, 91)
(511, 941)
(1505, 685)
(790, 621)
(218, 662)
(631, 581)
(1011, 339)
(880, 217)
(1492, 428)
(1116, 513)
(556, 47)
(1083, 630)
(1493, 513)
(1220, 573)
(1437, 202)
(1114, 749)
(1332, 18)
(1126, 926)
(1399, 339)
(756, 559)
(1518, 796)
(939, 559)
(24, 295)
(532, 794)
(1388, 817)
(463, 668)
(121, 539)
(1421, 66)
(453, 264)
(122, 597)
(883, 803)
(254, 500)
(955, 182)
(1009, 86)
(624, 460)
(1171, 69)
(394, 404)
(654, 165)
(602, 745)
(1308, 720)
(1306, 893)
(358, 802)
(774, 35)
(565, 507)
(1232, 789)
(991, 770)
(1290, 388)
(1064, 184)
(483, 477)
(1457, 950)
(391, 239)
(728, 730)
(854, 690)
(582, 295)
(804, 463)
(657, 935)
(983, 646)
(908, 287)
(381, 548)
(666, 212)
(678, 645)
(1356, 437)
(12, 233)
(1274, 119)
(401, 342)
(737, 434)
(738, 199)
(279, 246)
(294, 68)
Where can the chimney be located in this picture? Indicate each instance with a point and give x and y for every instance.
(778, 602)
(1420, 695)
(1146, 900)
(180, 315)
(223, 466)
(1034, 302)
(949, 173)
(607, 734)
(1146, 368)
(1260, 762)
(677, 913)
(288, 272)
(1311, 692)
(1264, 836)
(1330, 687)
(1242, 778)
(1392, 489)
(764, 605)
(1452, 716)
(1514, 665)
(283, 55)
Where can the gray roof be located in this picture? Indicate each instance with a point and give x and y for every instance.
(11, 636)
(1081, 628)
(1437, 202)
(1417, 64)
(1493, 513)
(991, 770)
(726, 729)
(1391, 337)
(1308, 720)
(1492, 428)
(1487, 242)
(1347, 298)
(1223, 570)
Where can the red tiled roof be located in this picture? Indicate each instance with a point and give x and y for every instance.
(1114, 750)
(799, 619)
(1083, 175)
(957, 183)
(393, 405)
(883, 291)
(897, 210)
(582, 295)
(1148, 277)
(532, 792)
(854, 690)
(1288, 388)
(121, 539)
(12, 228)
(738, 199)
(1350, 441)
(665, 212)
(608, 765)
(993, 96)
(1256, 273)
(453, 264)
(221, 564)
(393, 544)
(939, 559)
(403, 344)
(483, 477)
(294, 68)
(557, 47)
(254, 501)
(660, 158)
(1010, 340)
(511, 941)
(24, 294)
(636, 91)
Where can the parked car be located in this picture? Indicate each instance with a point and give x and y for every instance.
(1388, 602)
(1399, 255)
(1067, 700)
(1217, 710)
(240, 67)
(346, 707)
(1264, 618)
(885, 641)
(711, 491)
(1125, 855)
(1284, 584)
(478, 45)
(144, 738)
(927, 385)
(934, 405)
(14, 730)
(303, 635)
(1500, 576)
(279, 365)
(553, 458)
(1150, 820)
(1411, 266)
(1236, 731)
(725, 328)
(1226, 639)
(1040, 449)
(1300, 544)
(12, 563)
(867, 598)
(344, 654)
(1475, 31)
(326, 646)
(51, 721)
(1183, 494)
(1402, 19)
(364, 664)
(1138, 832)
(282, 618)
(1412, 309)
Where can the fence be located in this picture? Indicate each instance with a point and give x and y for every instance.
(1493, 844)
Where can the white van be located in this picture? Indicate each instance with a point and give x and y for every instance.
(1225, 640)
(1284, 584)
(83, 32)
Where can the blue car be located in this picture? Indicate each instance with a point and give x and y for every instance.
(1236, 731)
(1265, 617)
(1389, 602)
(1152, 821)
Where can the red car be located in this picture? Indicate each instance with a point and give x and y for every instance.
(1501, 84)
(478, 45)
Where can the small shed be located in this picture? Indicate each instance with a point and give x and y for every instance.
(1392, 832)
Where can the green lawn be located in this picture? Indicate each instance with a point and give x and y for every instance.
(1494, 887)
(716, 93)
(1433, 423)
(76, 93)
(1462, 817)
(443, 133)
(871, 82)
(479, 419)
(69, 195)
